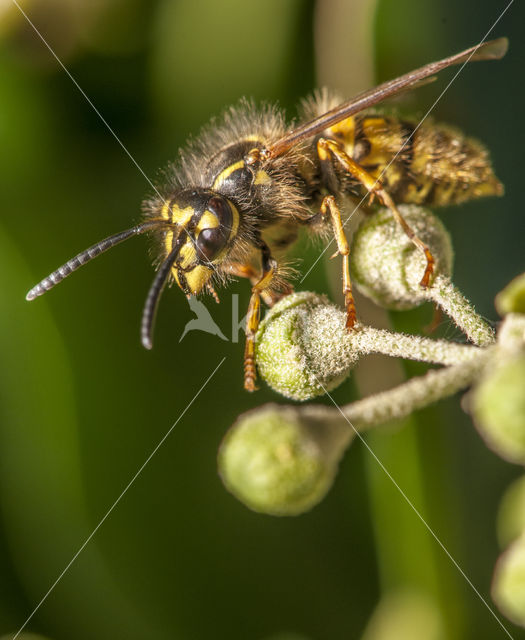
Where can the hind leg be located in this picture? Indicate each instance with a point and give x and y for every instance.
(328, 148)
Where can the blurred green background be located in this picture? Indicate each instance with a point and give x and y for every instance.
(83, 404)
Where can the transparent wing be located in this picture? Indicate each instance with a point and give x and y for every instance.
(493, 50)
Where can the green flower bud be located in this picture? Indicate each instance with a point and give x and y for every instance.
(498, 408)
(302, 348)
(511, 334)
(387, 267)
(279, 462)
(512, 298)
(511, 514)
(508, 584)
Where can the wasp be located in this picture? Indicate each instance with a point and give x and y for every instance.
(239, 194)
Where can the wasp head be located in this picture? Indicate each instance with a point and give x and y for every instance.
(203, 225)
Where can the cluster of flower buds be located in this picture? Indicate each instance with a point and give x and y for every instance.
(498, 408)
(281, 460)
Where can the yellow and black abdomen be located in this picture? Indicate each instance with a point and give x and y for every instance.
(432, 164)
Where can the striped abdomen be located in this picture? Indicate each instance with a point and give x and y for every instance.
(434, 164)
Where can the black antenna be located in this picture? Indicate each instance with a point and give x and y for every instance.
(88, 254)
(155, 291)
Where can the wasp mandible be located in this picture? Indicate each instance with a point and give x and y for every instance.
(238, 195)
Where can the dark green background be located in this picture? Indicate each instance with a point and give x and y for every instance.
(83, 404)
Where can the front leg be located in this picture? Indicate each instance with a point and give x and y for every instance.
(269, 296)
(261, 287)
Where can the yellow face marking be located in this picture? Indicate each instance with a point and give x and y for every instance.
(226, 173)
(168, 241)
(262, 177)
(187, 255)
(197, 278)
(181, 216)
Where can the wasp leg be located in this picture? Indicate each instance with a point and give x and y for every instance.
(326, 147)
(269, 267)
(269, 296)
(329, 206)
(244, 271)
(213, 293)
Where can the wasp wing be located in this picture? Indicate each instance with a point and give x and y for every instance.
(493, 50)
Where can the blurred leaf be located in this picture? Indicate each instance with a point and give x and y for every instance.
(42, 499)
(210, 54)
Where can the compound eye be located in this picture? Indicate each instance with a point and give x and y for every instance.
(210, 242)
(213, 239)
(221, 209)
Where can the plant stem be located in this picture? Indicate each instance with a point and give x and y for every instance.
(405, 398)
(370, 340)
(455, 305)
